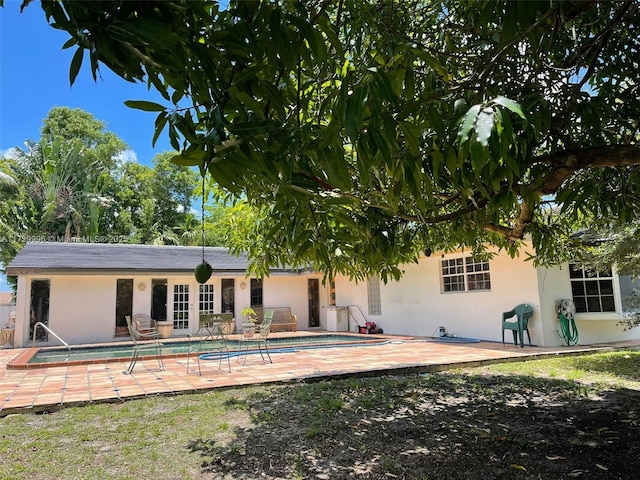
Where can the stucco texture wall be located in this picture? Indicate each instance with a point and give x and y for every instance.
(592, 328)
(416, 305)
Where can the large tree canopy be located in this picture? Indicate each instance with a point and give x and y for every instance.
(366, 132)
(71, 186)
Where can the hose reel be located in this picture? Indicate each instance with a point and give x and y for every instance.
(566, 310)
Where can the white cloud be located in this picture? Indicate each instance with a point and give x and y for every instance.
(8, 153)
(127, 156)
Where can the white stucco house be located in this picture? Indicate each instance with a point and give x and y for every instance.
(82, 292)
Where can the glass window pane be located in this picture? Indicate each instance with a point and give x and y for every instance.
(575, 271)
(577, 288)
(593, 304)
(608, 304)
(206, 303)
(606, 287)
(588, 273)
(580, 303)
(256, 292)
(592, 287)
(373, 294)
(605, 273)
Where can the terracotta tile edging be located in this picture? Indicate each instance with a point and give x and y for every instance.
(21, 361)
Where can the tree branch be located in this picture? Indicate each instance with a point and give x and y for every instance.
(566, 163)
(563, 165)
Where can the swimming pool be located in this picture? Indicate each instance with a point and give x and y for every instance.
(49, 357)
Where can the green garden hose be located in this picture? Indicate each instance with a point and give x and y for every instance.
(569, 330)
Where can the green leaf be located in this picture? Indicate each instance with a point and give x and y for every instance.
(467, 123)
(437, 160)
(507, 129)
(161, 122)
(192, 158)
(484, 126)
(355, 106)
(226, 147)
(69, 43)
(156, 32)
(76, 63)
(410, 137)
(254, 128)
(435, 120)
(145, 105)
(433, 62)
(451, 159)
(384, 84)
(510, 105)
(173, 137)
(459, 106)
(479, 156)
(329, 134)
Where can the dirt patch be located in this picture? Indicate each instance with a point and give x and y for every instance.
(436, 426)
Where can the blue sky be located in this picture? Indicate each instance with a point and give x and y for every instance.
(34, 78)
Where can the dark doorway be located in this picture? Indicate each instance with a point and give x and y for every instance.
(314, 302)
(256, 292)
(39, 308)
(124, 305)
(159, 299)
(228, 295)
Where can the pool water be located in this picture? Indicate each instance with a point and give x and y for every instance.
(115, 352)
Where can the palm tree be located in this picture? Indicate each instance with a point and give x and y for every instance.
(8, 185)
(61, 187)
(189, 232)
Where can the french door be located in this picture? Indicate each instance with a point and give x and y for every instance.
(180, 306)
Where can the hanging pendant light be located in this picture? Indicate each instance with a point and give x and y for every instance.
(204, 270)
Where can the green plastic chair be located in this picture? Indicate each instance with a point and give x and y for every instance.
(523, 313)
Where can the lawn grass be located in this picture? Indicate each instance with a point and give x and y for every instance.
(149, 438)
(182, 437)
(605, 370)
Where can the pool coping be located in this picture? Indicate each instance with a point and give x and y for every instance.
(22, 361)
(50, 389)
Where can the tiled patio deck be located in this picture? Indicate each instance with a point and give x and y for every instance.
(47, 389)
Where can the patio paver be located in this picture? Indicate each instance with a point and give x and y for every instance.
(47, 389)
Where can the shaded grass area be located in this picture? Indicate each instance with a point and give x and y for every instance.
(569, 417)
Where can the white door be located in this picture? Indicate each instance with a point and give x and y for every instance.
(180, 305)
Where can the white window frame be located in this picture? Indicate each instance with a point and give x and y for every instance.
(464, 274)
(206, 298)
(181, 305)
(596, 280)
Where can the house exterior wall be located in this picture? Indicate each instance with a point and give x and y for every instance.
(292, 291)
(554, 284)
(416, 305)
(82, 307)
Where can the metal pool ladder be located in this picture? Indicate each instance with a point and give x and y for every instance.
(40, 324)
